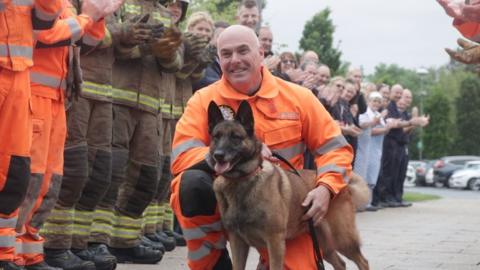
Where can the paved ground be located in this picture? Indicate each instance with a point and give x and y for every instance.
(441, 234)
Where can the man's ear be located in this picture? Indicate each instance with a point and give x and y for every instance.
(244, 115)
(215, 116)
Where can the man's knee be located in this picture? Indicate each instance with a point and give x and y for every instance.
(196, 194)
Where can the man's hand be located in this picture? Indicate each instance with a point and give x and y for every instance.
(453, 9)
(318, 200)
(267, 154)
(271, 62)
(98, 9)
(470, 53)
(471, 12)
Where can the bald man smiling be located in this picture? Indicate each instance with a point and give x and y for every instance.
(288, 119)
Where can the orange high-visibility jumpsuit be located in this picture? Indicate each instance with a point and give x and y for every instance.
(48, 83)
(17, 22)
(288, 119)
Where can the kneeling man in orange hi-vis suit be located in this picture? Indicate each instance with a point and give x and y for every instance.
(288, 119)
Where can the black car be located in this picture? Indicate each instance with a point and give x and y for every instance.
(444, 167)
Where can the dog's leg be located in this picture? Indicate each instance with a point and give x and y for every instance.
(276, 251)
(355, 254)
(239, 251)
(327, 244)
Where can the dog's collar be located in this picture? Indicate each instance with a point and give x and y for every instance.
(245, 177)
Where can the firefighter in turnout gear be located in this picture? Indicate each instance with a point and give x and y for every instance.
(143, 47)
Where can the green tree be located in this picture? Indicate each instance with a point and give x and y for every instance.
(468, 115)
(437, 136)
(224, 10)
(318, 37)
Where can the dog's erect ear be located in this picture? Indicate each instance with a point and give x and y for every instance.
(245, 117)
(215, 116)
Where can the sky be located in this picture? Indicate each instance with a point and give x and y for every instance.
(410, 33)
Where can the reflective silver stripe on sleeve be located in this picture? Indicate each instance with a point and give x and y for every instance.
(185, 146)
(206, 248)
(291, 151)
(90, 40)
(44, 16)
(201, 231)
(332, 168)
(8, 222)
(22, 2)
(47, 80)
(332, 144)
(16, 51)
(75, 29)
(7, 241)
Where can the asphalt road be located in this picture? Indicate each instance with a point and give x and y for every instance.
(439, 234)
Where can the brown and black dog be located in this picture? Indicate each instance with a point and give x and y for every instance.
(261, 204)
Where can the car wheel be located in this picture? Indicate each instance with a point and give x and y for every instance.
(438, 184)
(474, 184)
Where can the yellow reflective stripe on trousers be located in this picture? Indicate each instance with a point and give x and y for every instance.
(16, 51)
(126, 233)
(85, 216)
(49, 228)
(81, 229)
(291, 151)
(61, 215)
(8, 222)
(187, 145)
(332, 144)
(205, 249)
(47, 80)
(201, 231)
(97, 89)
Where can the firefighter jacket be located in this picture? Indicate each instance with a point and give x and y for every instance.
(17, 20)
(288, 119)
(137, 80)
(48, 75)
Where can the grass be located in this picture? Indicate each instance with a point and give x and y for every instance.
(419, 197)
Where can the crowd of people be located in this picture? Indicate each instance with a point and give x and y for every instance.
(86, 151)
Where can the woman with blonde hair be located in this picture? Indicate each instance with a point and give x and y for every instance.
(201, 24)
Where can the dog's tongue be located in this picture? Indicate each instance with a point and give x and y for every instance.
(222, 167)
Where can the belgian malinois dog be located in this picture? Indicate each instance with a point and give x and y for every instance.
(261, 204)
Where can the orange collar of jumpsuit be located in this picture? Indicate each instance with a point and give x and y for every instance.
(268, 88)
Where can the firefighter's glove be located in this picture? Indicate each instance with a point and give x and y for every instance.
(135, 31)
(469, 54)
(166, 47)
(195, 46)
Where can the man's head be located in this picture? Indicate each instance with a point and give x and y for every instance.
(396, 92)
(355, 74)
(265, 37)
(349, 91)
(248, 14)
(385, 92)
(323, 74)
(219, 26)
(375, 101)
(407, 97)
(241, 58)
(401, 105)
(309, 56)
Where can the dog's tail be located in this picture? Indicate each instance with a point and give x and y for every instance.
(359, 190)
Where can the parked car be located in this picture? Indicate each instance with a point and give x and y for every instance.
(421, 168)
(468, 177)
(410, 178)
(445, 166)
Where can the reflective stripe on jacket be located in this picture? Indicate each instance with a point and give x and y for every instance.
(17, 21)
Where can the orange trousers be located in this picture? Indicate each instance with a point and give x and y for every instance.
(203, 240)
(48, 140)
(15, 141)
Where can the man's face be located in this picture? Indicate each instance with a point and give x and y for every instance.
(323, 75)
(401, 105)
(349, 92)
(266, 39)
(375, 104)
(248, 17)
(310, 56)
(240, 59)
(407, 97)
(396, 93)
(175, 9)
(357, 77)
